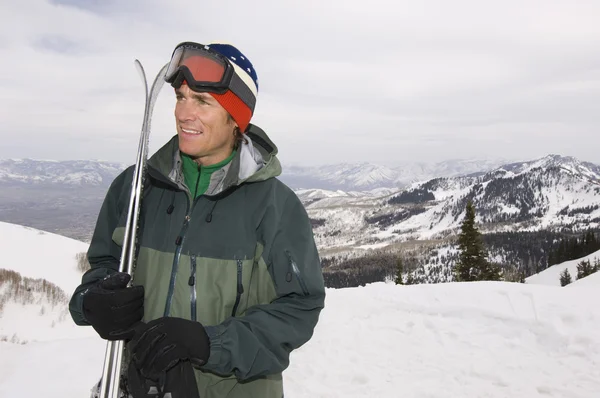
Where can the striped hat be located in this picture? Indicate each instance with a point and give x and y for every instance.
(241, 111)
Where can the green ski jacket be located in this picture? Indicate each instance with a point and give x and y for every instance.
(241, 259)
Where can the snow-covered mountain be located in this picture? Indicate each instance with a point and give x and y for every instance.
(308, 196)
(368, 176)
(347, 177)
(550, 193)
(567, 163)
(71, 173)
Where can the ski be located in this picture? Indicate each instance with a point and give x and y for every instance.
(109, 384)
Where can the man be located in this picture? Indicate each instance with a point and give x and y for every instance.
(227, 280)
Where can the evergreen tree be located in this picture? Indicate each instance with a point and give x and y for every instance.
(490, 272)
(584, 268)
(399, 267)
(565, 277)
(472, 264)
(410, 280)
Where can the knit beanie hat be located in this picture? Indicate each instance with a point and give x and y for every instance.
(240, 111)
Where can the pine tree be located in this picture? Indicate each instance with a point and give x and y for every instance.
(584, 268)
(565, 277)
(472, 264)
(490, 272)
(399, 267)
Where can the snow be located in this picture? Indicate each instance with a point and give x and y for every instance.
(485, 339)
(590, 281)
(551, 275)
(480, 339)
(373, 246)
(39, 254)
(26, 324)
(64, 368)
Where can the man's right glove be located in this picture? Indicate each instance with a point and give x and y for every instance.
(112, 308)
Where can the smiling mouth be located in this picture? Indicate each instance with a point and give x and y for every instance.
(194, 132)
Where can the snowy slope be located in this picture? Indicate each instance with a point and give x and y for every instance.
(551, 275)
(37, 321)
(38, 254)
(34, 316)
(470, 340)
(590, 281)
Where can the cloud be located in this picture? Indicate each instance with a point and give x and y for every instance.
(339, 81)
(100, 7)
(58, 44)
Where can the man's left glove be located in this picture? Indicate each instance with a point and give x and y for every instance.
(162, 343)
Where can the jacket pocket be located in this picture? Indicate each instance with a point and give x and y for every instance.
(295, 271)
(239, 287)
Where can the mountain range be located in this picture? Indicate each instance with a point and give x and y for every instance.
(554, 193)
(379, 205)
(52, 172)
(368, 176)
(345, 176)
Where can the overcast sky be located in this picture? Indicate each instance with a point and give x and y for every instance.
(340, 80)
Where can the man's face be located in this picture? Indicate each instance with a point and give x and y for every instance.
(204, 129)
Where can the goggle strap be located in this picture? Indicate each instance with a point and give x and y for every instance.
(239, 88)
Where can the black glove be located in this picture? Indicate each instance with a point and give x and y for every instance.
(164, 342)
(112, 308)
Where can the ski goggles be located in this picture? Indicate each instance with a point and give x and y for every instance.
(205, 70)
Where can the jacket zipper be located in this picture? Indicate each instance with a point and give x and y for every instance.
(192, 283)
(179, 243)
(240, 288)
(296, 272)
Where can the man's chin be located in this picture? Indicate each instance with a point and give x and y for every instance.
(187, 149)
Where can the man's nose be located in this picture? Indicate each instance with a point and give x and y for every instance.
(185, 111)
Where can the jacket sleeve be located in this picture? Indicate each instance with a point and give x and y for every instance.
(103, 253)
(260, 342)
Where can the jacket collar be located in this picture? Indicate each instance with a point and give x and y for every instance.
(255, 160)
